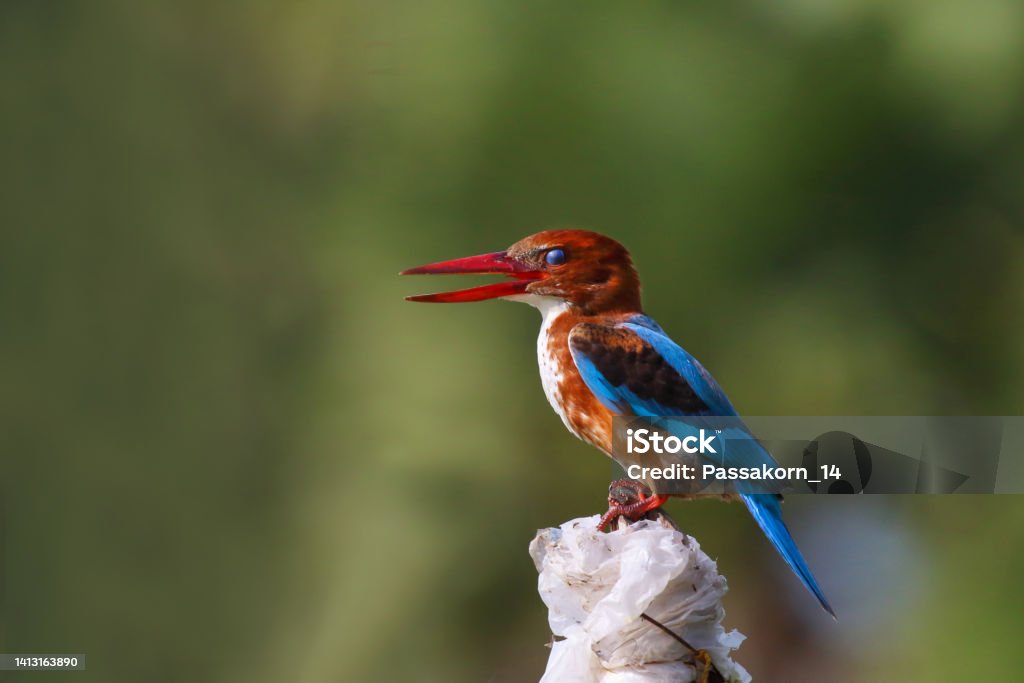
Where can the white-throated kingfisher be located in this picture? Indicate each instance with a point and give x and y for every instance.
(601, 357)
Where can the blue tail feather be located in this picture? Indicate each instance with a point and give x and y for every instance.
(767, 511)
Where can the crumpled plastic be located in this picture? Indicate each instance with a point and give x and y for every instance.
(596, 586)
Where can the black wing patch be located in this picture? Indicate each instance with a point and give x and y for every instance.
(628, 362)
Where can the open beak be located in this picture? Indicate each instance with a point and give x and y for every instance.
(498, 263)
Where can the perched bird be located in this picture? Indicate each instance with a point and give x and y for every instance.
(600, 356)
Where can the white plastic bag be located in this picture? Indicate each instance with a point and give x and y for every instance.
(597, 585)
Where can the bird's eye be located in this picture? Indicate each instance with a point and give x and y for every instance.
(555, 257)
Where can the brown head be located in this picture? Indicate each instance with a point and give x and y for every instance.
(592, 272)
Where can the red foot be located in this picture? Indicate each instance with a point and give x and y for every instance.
(629, 499)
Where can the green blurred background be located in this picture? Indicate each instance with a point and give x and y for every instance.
(231, 452)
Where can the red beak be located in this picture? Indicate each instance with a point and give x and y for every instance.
(498, 263)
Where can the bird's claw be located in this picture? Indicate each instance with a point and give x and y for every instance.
(629, 499)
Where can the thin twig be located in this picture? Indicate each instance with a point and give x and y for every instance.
(678, 638)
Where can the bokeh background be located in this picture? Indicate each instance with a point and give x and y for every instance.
(231, 452)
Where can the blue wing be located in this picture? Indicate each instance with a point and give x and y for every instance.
(633, 368)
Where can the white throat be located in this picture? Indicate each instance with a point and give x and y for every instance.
(550, 307)
(550, 372)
